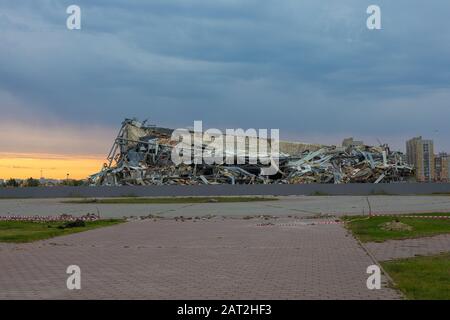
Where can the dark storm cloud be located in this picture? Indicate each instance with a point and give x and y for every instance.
(310, 68)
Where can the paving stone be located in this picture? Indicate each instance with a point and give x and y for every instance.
(212, 259)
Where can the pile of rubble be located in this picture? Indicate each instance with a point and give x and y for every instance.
(359, 164)
(141, 155)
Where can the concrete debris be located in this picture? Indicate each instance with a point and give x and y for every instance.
(141, 155)
(360, 164)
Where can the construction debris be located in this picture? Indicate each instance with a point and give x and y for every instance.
(58, 218)
(141, 155)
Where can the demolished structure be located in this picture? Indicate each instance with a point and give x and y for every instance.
(142, 155)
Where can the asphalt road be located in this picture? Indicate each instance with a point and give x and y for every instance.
(300, 206)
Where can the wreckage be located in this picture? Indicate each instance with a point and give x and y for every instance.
(142, 155)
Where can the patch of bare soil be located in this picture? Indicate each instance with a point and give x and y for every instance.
(395, 226)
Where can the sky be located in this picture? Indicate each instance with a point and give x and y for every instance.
(310, 68)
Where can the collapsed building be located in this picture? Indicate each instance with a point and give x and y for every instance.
(142, 155)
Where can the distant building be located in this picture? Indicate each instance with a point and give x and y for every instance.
(420, 153)
(49, 182)
(349, 142)
(442, 167)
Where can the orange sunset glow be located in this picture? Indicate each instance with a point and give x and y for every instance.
(22, 166)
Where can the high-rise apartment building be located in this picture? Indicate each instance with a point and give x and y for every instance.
(420, 153)
(350, 142)
(442, 167)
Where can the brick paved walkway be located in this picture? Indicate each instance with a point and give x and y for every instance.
(211, 259)
(398, 249)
